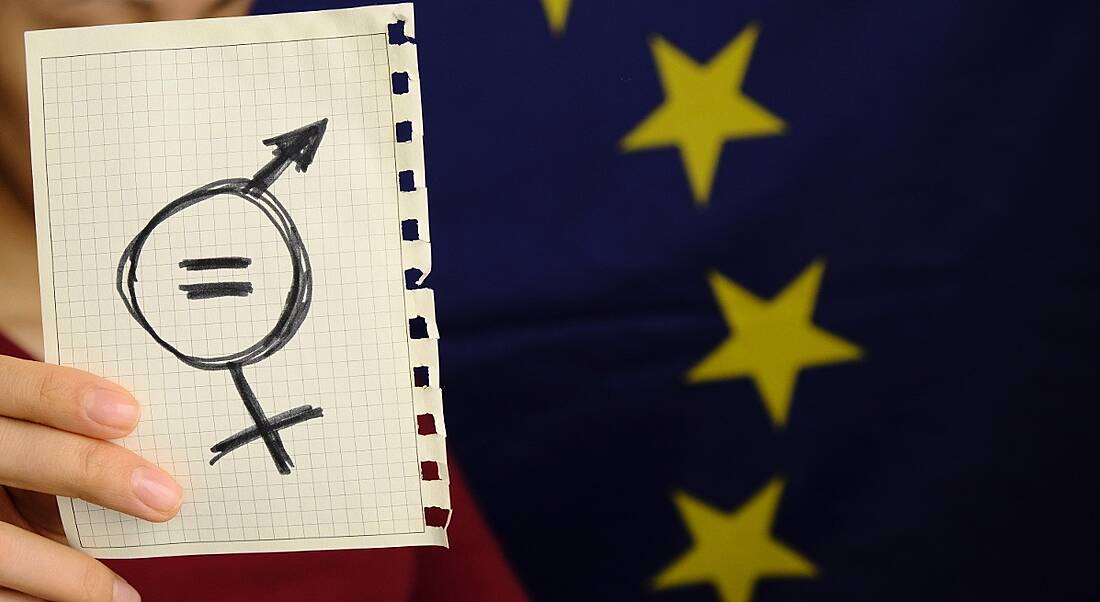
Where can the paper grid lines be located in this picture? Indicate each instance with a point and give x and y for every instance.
(128, 132)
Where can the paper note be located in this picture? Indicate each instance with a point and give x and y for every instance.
(232, 223)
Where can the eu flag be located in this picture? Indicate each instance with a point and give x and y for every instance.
(770, 300)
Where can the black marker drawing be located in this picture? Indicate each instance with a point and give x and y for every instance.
(299, 147)
(212, 290)
(216, 263)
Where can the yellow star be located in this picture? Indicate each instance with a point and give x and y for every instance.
(557, 12)
(770, 341)
(703, 108)
(732, 550)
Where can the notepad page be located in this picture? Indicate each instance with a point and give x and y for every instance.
(232, 224)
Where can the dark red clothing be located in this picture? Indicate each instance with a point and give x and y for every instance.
(472, 569)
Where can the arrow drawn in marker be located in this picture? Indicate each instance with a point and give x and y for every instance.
(296, 146)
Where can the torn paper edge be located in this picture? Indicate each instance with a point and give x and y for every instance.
(416, 254)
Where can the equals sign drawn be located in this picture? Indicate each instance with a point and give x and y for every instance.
(213, 290)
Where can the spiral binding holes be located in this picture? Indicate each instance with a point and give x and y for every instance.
(408, 133)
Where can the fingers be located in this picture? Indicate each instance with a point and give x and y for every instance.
(46, 569)
(66, 398)
(43, 459)
(8, 595)
(52, 422)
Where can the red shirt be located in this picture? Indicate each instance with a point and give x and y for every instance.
(472, 569)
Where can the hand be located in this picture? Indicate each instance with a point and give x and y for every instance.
(54, 423)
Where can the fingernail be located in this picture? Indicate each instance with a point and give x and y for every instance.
(156, 489)
(111, 409)
(124, 592)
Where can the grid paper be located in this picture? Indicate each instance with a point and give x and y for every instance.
(126, 131)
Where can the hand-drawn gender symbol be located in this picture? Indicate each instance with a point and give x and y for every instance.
(298, 147)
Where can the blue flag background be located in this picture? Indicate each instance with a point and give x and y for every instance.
(857, 361)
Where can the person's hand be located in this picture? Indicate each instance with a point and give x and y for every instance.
(54, 423)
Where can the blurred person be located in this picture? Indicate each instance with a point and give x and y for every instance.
(56, 422)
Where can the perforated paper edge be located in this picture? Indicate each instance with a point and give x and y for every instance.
(416, 255)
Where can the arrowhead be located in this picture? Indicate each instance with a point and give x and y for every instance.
(299, 145)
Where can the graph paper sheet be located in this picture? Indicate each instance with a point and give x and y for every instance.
(232, 223)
